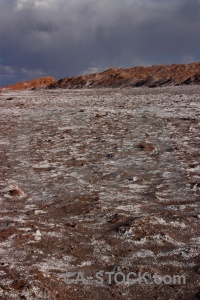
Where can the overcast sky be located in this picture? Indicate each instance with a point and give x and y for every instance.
(64, 38)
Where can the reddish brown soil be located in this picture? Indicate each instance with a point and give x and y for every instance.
(30, 84)
(176, 74)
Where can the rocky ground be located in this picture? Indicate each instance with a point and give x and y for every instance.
(100, 180)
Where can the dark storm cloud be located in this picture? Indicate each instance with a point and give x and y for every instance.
(64, 38)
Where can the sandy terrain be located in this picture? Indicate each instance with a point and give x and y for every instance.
(100, 180)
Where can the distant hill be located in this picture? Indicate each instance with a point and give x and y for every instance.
(154, 76)
(35, 83)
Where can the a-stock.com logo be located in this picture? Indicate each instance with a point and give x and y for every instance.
(120, 278)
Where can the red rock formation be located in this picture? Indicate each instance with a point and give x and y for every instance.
(154, 76)
(176, 74)
(35, 83)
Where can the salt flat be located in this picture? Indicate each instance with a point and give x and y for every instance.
(99, 180)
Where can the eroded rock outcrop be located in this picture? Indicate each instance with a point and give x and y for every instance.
(30, 84)
(154, 76)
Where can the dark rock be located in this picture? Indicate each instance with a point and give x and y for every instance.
(110, 155)
(146, 146)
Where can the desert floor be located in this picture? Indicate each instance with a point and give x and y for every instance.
(100, 180)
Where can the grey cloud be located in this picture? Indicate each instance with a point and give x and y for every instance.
(64, 38)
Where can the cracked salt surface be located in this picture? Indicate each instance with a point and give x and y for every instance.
(108, 179)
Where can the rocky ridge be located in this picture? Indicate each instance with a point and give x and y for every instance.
(31, 84)
(154, 76)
